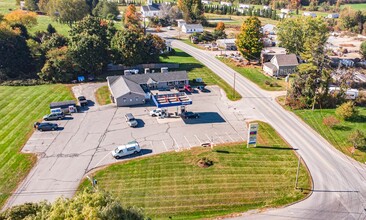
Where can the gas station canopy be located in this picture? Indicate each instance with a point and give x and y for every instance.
(171, 100)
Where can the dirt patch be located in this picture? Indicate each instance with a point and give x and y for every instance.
(205, 162)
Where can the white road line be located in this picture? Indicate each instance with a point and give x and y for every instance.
(176, 143)
(198, 139)
(240, 136)
(102, 159)
(165, 146)
(209, 138)
(230, 137)
(222, 141)
(188, 142)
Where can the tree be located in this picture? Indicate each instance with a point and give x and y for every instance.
(85, 205)
(51, 29)
(43, 5)
(220, 26)
(54, 41)
(67, 11)
(193, 11)
(346, 111)
(106, 9)
(249, 40)
(127, 47)
(330, 121)
(31, 5)
(358, 139)
(25, 18)
(131, 18)
(363, 49)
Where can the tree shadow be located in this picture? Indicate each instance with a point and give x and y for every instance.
(222, 151)
(358, 118)
(341, 128)
(275, 148)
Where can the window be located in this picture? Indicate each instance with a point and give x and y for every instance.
(130, 100)
(124, 100)
(137, 99)
(131, 149)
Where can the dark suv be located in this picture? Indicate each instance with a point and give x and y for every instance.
(46, 126)
(54, 116)
(189, 115)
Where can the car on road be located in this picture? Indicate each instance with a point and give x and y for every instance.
(54, 116)
(188, 88)
(202, 89)
(46, 126)
(130, 119)
(131, 147)
(82, 101)
(189, 115)
(157, 112)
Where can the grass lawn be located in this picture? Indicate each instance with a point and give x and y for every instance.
(241, 179)
(20, 107)
(338, 136)
(255, 75)
(103, 95)
(43, 22)
(5, 5)
(237, 20)
(361, 6)
(198, 70)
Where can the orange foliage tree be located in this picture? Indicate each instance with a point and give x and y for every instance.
(132, 19)
(25, 18)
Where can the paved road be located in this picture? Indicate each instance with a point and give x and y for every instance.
(339, 190)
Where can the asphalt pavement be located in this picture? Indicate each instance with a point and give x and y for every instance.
(339, 190)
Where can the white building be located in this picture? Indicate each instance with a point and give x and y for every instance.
(227, 44)
(309, 14)
(266, 7)
(192, 28)
(334, 15)
(281, 65)
(151, 9)
(350, 94)
(206, 2)
(226, 3)
(269, 29)
(181, 22)
(285, 11)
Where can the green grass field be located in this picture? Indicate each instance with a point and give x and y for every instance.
(241, 179)
(361, 6)
(237, 20)
(255, 75)
(337, 136)
(20, 107)
(198, 70)
(103, 95)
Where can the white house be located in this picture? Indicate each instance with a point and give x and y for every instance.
(227, 44)
(206, 2)
(281, 65)
(334, 15)
(226, 3)
(286, 11)
(266, 7)
(181, 22)
(192, 28)
(151, 9)
(244, 6)
(309, 14)
(349, 93)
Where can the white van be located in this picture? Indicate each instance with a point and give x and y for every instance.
(124, 150)
(56, 111)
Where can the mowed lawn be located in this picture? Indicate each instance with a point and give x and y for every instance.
(337, 136)
(173, 185)
(196, 69)
(255, 75)
(20, 107)
(361, 6)
(103, 95)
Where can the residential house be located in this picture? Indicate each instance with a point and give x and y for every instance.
(350, 94)
(269, 29)
(226, 3)
(227, 44)
(192, 28)
(151, 9)
(129, 90)
(281, 65)
(309, 14)
(180, 23)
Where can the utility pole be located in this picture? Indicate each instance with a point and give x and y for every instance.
(234, 95)
(297, 172)
(287, 82)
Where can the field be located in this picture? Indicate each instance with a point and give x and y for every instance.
(20, 107)
(255, 75)
(103, 96)
(241, 179)
(237, 20)
(197, 70)
(361, 6)
(338, 136)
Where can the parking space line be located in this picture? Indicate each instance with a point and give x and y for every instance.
(240, 136)
(198, 139)
(230, 137)
(176, 143)
(102, 159)
(222, 141)
(165, 145)
(188, 142)
(209, 138)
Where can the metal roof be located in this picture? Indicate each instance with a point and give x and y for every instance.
(286, 59)
(153, 7)
(158, 77)
(171, 100)
(64, 103)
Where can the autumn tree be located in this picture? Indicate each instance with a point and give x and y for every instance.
(347, 111)
(363, 49)
(131, 18)
(25, 18)
(31, 5)
(67, 11)
(220, 26)
(43, 5)
(330, 121)
(358, 139)
(249, 40)
(193, 11)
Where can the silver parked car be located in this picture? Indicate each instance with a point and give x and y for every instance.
(131, 121)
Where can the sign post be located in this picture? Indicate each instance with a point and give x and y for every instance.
(252, 134)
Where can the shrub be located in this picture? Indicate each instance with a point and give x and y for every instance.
(267, 82)
(358, 139)
(330, 121)
(346, 111)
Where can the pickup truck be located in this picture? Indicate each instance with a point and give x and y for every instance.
(188, 88)
(82, 101)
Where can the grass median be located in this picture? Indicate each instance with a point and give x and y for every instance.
(196, 69)
(20, 107)
(103, 95)
(174, 185)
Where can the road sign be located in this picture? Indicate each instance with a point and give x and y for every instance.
(252, 134)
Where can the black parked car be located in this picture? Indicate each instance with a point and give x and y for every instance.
(82, 101)
(46, 126)
(203, 89)
(189, 115)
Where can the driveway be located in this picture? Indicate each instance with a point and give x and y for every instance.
(86, 139)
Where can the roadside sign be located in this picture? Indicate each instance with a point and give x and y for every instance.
(252, 134)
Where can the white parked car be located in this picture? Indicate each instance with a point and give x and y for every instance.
(157, 112)
(124, 150)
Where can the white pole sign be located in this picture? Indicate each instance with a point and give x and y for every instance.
(252, 134)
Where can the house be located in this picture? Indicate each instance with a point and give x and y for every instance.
(192, 28)
(309, 14)
(281, 65)
(286, 11)
(266, 7)
(333, 15)
(181, 22)
(206, 2)
(244, 6)
(151, 9)
(226, 4)
(133, 89)
(269, 29)
(227, 44)
(350, 94)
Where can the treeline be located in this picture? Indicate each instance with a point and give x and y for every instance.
(93, 43)
(228, 10)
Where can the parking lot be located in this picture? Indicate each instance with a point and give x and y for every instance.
(85, 139)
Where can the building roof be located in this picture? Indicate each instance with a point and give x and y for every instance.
(153, 7)
(158, 77)
(64, 103)
(286, 59)
(193, 26)
(271, 66)
(226, 41)
(120, 86)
